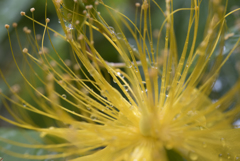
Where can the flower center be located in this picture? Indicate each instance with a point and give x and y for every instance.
(146, 125)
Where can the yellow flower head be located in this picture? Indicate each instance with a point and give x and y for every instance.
(157, 101)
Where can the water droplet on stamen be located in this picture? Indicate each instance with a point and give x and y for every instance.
(193, 156)
(220, 157)
(118, 73)
(126, 88)
(136, 69)
(69, 26)
(119, 36)
(130, 65)
(228, 156)
(204, 145)
(112, 32)
(135, 49)
(152, 64)
(223, 142)
(88, 107)
(93, 117)
(64, 96)
(152, 50)
(131, 107)
(103, 94)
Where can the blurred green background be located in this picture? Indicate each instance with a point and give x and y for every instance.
(10, 12)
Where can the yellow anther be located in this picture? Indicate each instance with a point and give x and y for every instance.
(25, 50)
(32, 9)
(22, 13)
(137, 4)
(96, 3)
(47, 20)
(14, 24)
(145, 5)
(7, 26)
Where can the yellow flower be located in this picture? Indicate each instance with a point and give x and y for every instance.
(158, 102)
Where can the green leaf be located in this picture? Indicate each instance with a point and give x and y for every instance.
(174, 156)
(21, 136)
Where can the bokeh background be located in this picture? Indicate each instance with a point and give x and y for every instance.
(10, 12)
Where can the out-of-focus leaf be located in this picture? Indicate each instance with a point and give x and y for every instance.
(22, 136)
(174, 156)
